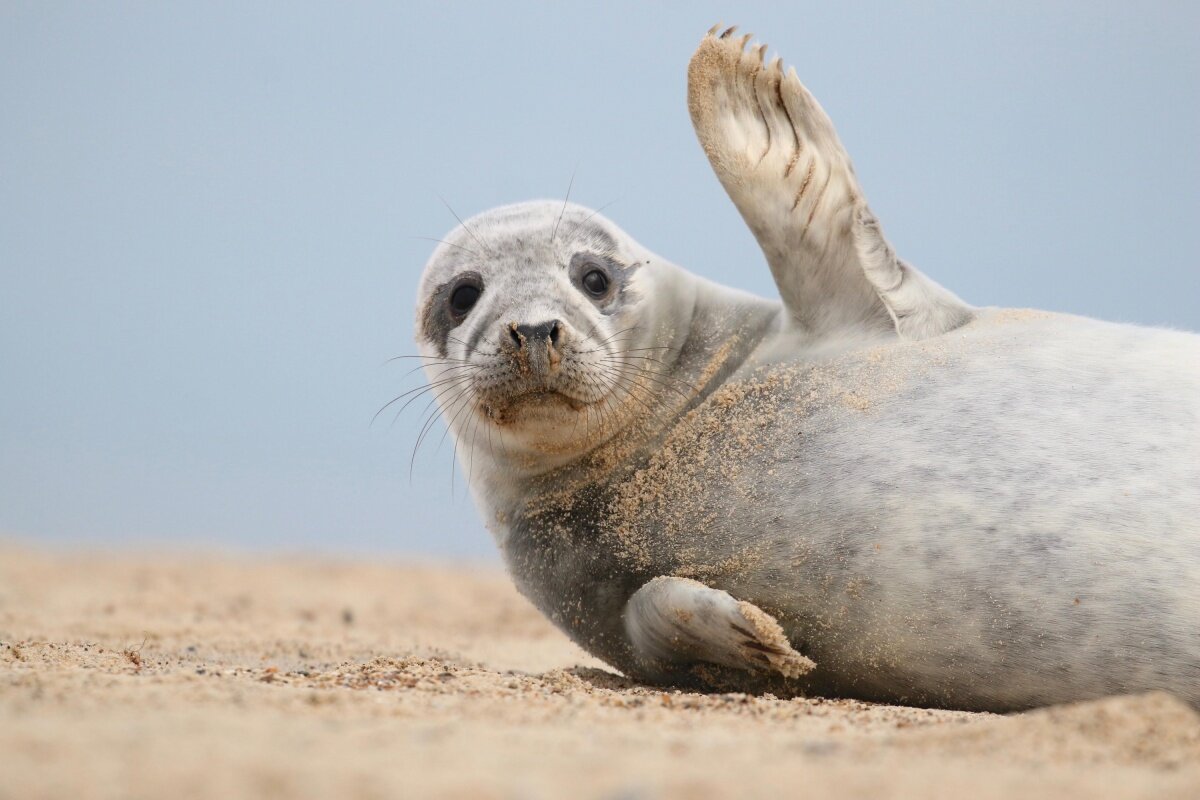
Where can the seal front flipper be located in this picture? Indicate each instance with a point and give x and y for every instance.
(779, 158)
(677, 622)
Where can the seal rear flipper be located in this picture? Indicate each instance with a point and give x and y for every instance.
(679, 622)
(779, 158)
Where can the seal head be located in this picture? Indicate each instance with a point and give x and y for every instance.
(535, 327)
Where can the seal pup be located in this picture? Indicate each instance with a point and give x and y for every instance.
(867, 488)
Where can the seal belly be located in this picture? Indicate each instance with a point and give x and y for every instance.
(1001, 517)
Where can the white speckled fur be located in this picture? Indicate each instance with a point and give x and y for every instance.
(976, 508)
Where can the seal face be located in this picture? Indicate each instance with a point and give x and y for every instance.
(867, 488)
(525, 320)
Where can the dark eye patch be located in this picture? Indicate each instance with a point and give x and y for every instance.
(448, 305)
(601, 278)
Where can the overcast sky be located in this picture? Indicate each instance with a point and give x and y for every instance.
(209, 217)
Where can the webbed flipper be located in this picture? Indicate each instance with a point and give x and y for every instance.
(779, 158)
(678, 622)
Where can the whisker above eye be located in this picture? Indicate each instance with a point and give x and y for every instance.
(571, 233)
(567, 199)
(449, 244)
(464, 225)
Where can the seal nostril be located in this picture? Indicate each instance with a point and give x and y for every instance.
(542, 332)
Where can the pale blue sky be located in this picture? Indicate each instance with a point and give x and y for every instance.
(208, 216)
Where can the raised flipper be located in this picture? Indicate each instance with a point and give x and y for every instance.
(779, 158)
(678, 622)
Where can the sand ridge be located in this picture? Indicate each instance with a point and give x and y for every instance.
(127, 675)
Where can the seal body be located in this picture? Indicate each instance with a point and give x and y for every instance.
(866, 488)
(1003, 517)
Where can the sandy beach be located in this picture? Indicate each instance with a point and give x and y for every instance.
(199, 676)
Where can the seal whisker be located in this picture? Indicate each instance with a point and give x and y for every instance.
(645, 349)
(595, 326)
(566, 200)
(428, 413)
(647, 363)
(418, 390)
(634, 373)
(436, 409)
(450, 424)
(641, 362)
(471, 348)
(627, 385)
(452, 383)
(474, 433)
(463, 224)
(661, 379)
(633, 381)
(491, 445)
(429, 416)
(600, 404)
(434, 359)
(602, 348)
(440, 411)
(443, 367)
(450, 244)
(600, 345)
(630, 329)
(571, 233)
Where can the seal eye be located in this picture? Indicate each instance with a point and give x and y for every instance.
(595, 283)
(463, 298)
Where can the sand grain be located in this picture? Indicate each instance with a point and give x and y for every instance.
(171, 676)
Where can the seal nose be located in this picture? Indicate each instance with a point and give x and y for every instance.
(548, 332)
(535, 347)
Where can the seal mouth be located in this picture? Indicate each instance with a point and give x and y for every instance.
(503, 409)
